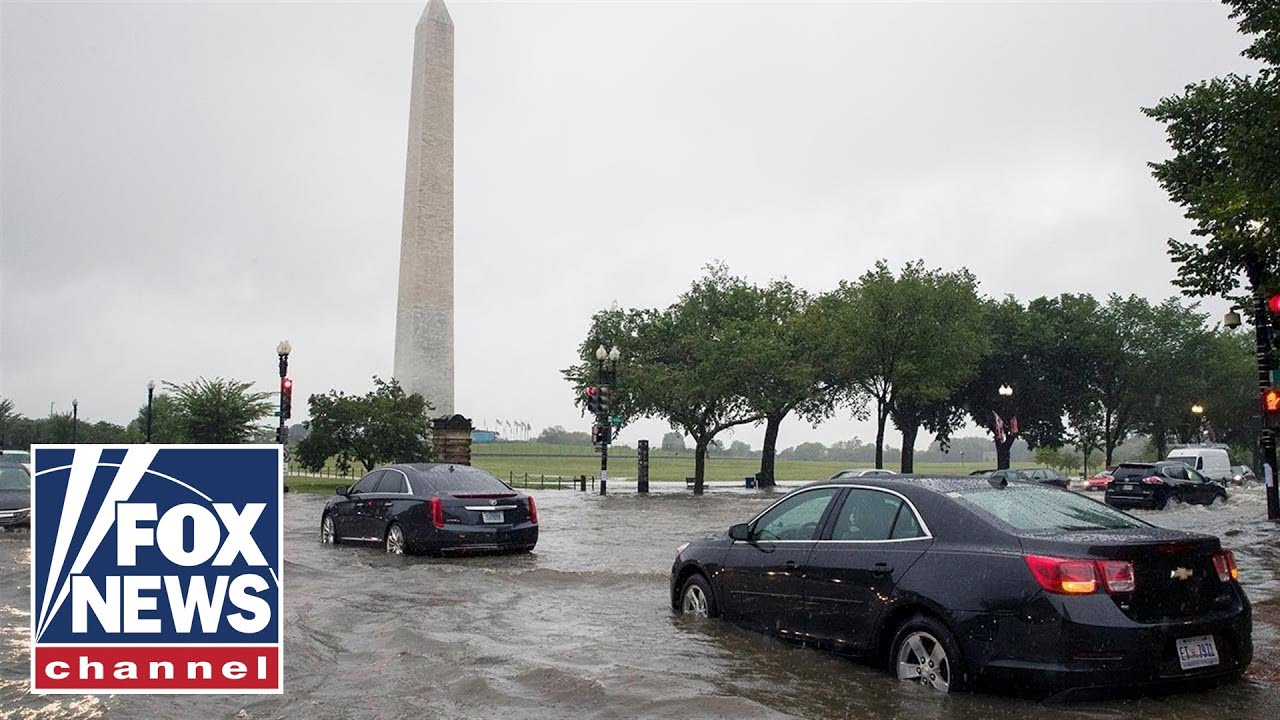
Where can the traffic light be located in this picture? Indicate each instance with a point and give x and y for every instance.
(1273, 304)
(1271, 407)
(286, 398)
(601, 434)
(593, 400)
(605, 393)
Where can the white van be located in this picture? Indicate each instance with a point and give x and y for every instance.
(1212, 462)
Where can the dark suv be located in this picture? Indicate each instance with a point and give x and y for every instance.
(1151, 485)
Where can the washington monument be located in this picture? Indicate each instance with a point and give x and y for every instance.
(424, 313)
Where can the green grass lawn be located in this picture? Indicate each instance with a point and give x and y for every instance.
(537, 464)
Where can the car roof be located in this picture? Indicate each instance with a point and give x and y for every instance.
(940, 484)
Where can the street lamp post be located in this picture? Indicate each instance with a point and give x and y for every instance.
(1004, 434)
(1198, 410)
(151, 391)
(1262, 344)
(75, 419)
(282, 351)
(606, 370)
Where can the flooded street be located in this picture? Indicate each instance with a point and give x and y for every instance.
(582, 628)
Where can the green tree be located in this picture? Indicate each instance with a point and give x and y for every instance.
(686, 364)
(1222, 172)
(673, 441)
(1026, 354)
(166, 421)
(557, 435)
(7, 419)
(382, 426)
(894, 340)
(220, 410)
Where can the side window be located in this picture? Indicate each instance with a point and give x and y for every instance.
(368, 482)
(795, 518)
(906, 526)
(867, 515)
(1177, 472)
(391, 482)
(1197, 477)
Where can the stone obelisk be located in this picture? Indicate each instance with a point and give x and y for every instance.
(424, 314)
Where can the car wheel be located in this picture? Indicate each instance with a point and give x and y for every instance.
(327, 534)
(924, 651)
(1219, 498)
(1161, 501)
(696, 598)
(395, 539)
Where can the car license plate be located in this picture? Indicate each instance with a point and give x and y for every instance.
(491, 517)
(1195, 652)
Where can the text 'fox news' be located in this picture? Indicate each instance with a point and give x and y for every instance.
(157, 569)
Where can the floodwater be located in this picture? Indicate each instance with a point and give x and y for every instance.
(582, 628)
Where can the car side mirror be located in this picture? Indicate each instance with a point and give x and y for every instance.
(342, 490)
(741, 531)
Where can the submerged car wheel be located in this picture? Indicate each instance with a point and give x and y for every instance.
(925, 652)
(395, 539)
(327, 535)
(696, 598)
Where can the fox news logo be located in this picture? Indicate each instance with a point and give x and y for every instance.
(156, 569)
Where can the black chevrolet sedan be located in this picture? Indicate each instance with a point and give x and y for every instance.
(952, 582)
(432, 508)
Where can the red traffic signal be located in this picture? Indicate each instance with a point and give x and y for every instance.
(1273, 304)
(1271, 407)
(593, 399)
(286, 398)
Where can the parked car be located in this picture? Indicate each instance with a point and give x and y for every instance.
(15, 496)
(15, 457)
(1212, 462)
(862, 472)
(1242, 475)
(1153, 485)
(953, 582)
(1099, 481)
(431, 508)
(1043, 476)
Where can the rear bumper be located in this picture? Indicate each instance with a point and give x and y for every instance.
(1124, 501)
(1090, 647)
(474, 539)
(15, 518)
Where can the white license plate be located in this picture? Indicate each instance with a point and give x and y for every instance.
(491, 517)
(1199, 651)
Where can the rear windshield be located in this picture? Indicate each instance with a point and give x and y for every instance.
(1131, 471)
(460, 481)
(1032, 508)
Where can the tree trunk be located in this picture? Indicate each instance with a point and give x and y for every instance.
(909, 448)
(770, 450)
(881, 417)
(1002, 453)
(1108, 442)
(699, 463)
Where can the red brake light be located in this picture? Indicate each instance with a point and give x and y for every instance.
(533, 511)
(1066, 577)
(437, 512)
(1225, 563)
(1153, 480)
(1118, 575)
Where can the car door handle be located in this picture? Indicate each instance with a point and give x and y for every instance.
(882, 569)
(791, 564)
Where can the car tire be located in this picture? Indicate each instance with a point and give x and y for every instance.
(1219, 498)
(697, 599)
(394, 542)
(328, 534)
(925, 651)
(1161, 501)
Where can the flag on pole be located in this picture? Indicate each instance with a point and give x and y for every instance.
(1013, 425)
(999, 428)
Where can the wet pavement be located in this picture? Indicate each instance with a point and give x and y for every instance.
(582, 628)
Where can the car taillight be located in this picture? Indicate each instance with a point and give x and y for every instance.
(437, 512)
(1070, 576)
(533, 511)
(1118, 575)
(1067, 577)
(1153, 480)
(1225, 563)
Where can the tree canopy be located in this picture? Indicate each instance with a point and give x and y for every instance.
(382, 426)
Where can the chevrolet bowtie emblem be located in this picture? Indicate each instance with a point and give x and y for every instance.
(1181, 573)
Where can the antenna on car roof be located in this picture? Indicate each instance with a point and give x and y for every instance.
(998, 483)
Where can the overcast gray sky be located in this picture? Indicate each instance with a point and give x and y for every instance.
(183, 185)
